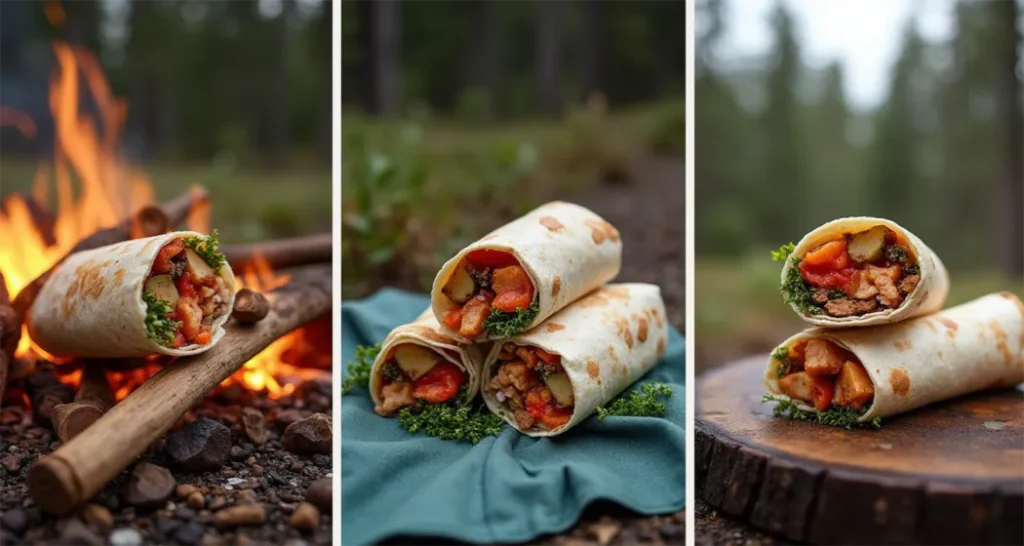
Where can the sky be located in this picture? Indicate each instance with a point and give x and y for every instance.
(863, 35)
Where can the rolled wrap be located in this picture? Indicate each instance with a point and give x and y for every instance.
(425, 331)
(971, 347)
(607, 341)
(566, 250)
(929, 295)
(91, 306)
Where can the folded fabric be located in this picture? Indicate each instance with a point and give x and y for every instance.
(509, 488)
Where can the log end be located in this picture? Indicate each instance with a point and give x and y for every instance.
(54, 486)
(71, 419)
(250, 306)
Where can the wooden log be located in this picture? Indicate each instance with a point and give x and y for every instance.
(282, 253)
(93, 399)
(45, 392)
(250, 306)
(71, 475)
(10, 334)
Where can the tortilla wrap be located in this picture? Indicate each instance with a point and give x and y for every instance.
(92, 305)
(565, 249)
(971, 347)
(426, 332)
(607, 340)
(929, 295)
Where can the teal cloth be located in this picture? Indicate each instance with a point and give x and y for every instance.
(508, 488)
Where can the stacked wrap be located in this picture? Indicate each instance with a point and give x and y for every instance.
(92, 305)
(607, 340)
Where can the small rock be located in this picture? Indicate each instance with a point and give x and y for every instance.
(319, 493)
(605, 530)
(310, 435)
(254, 425)
(670, 531)
(12, 463)
(287, 416)
(246, 496)
(202, 445)
(217, 503)
(75, 532)
(323, 461)
(196, 500)
(185, 513)
(99, 516)
(166, 525)
(297, 466)
(125, 537)
(14, 521)
(184, 490)
(149, 486)
(306, 517)
(244, 514)
(991, 425)
(235, 481)
(190, 533)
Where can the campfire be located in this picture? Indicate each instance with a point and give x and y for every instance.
(106, 412)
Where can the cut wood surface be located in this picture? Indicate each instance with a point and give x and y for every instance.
(68, 477)
(948, 473)
(281, 253)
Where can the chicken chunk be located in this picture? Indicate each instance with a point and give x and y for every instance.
(884, 279)
(823, 357)
(853, 387)
(798, 385)
(909, 283)
(516, 374)
(394, 397)
(863, 288)
(475, 313)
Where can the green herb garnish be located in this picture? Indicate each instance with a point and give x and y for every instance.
(642, 403)
(450, 421)
(358, 371)
(836, 294)
(913, 270)
(835, 417)
(797, 292)
(783, 252)
(206, 248)
(782, 355)
(510, 323)
(159, 328)
(896, 254)
(392, 371)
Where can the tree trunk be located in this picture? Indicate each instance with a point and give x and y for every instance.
(1008, 199)
(592, 63)
(483, 55)
(547, 54)
(277, 110)
(385, 64)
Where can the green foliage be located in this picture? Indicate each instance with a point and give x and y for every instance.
(642, 403)
(835, 417)
(158, 327)
(450, 422)
(206, 248)
(357, 373)
(782, 355)
(782, 254)
(510, 323)
(668, 133)
(797, 292)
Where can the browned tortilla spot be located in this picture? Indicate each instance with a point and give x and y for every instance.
(593, 368)
(119, 276)
(553, 327)
(661, 347)
(124, 249)
(901, 344)
(611, 232)
(641, 332)
(900, 382)
(617, 292)
(597, 235)
(1001, 341)
(595, 299)
(551, 223)
(556, 286)
(951, 327)
(929, 324)
(614, 357)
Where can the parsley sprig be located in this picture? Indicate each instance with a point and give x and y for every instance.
(783, 252)
(642, 403)
(510, 323)
(794, 289)
(159, 328)
(206, 248)
(835, 417)
(782, 355)
(358, 371)
(450, 421)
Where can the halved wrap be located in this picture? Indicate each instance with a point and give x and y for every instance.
(418, 361)
(890, 369)
(525, 271)
(169, 294)
(546, 381)
(862, 271)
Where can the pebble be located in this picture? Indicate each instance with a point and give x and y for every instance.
(319, 493)
(246, 496)
(149, 486)
(323, 461)
(184, 490)
(75, 532)
(254, 425)
(605, 530)
(14, 521)
(196, 500)
(99, 516)
(235, 481)
(244, 514)
(190, 533)
(125, 537)
(309, 435)
(287, 416)
(306, 517)
(202, 445)
(217, 502)
(167, 525)
(185, 513)
(669, 530)
(12, 463)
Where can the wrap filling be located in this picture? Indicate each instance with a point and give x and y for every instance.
(413, 372)
(824, 375)
(859, 273)
(492, 292)
(184, 293)
(531, 383)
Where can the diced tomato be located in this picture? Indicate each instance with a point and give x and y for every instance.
(513, 287)
(162, 263)
(486, 257)
(830, 279)
(179, 339)
(453, 318)
(203, 338)
(548, 357)
(511, 301)
(556, 417)
(823, 390)
(441, 383)
(541, 406)
(830, 255)
(186, 288)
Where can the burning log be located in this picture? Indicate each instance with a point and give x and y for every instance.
(42, 219)
(10, 334)
(71, 475)
(93, 399)
(46, 392)
(250, 306)
(282, 253)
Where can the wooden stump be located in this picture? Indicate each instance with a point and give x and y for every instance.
(949, 473)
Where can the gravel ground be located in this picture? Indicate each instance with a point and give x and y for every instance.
(249, 493)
